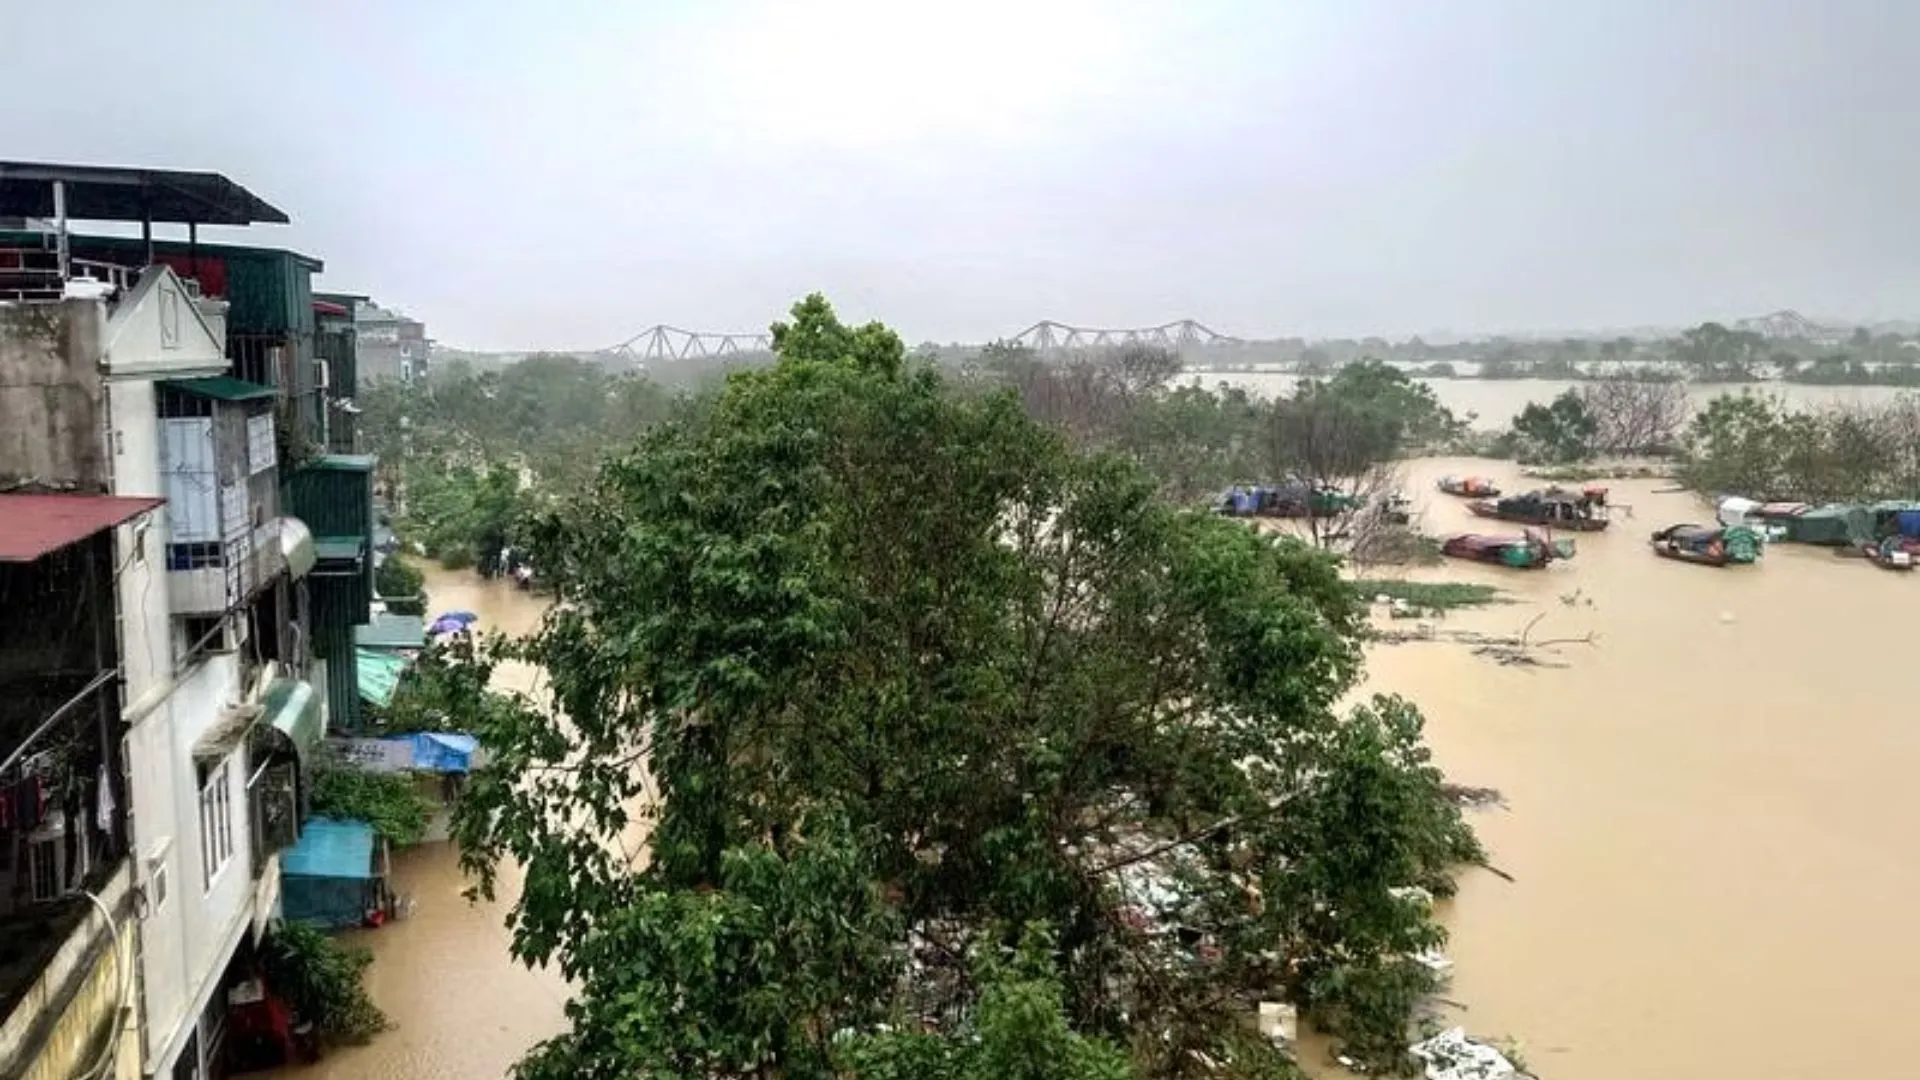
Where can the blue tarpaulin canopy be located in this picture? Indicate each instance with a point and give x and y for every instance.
(331, 848)
(443, 752)
(328, 878)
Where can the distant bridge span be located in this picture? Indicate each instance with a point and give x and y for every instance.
(663, 342)
(1048, 336)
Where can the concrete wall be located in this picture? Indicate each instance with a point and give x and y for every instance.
(82, 987)
(50, 428)
(157, 331)
(188, 939)
(146, 645)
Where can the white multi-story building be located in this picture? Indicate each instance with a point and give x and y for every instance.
(115, 388)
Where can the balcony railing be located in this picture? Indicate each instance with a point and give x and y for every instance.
(32, 274)
(64, 827)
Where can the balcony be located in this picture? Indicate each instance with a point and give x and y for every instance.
(63, 832)
(219, 456)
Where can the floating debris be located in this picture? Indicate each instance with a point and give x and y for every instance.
(1279, 1022)
(1453, 1055)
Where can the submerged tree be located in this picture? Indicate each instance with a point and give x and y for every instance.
(948, 746)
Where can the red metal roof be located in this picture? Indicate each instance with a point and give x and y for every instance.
(33, 525)
(328, 307)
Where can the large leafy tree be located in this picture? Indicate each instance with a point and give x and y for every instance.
(888, 735)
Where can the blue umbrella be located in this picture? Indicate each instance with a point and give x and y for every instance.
(447, 626)
(461, 617)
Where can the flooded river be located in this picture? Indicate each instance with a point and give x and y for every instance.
(1708, 822)
(1710, 809)
(1495, 402)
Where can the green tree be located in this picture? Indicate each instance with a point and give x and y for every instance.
(1736, 445)
(884, 669)
(401, 585)
(1715, 354)
(1560, 432)
(388, 801)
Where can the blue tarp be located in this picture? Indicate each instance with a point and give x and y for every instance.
(327, 879)
(1908, 522)
(331, 848)
(443, 752)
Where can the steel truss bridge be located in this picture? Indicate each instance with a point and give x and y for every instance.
(1049, 336)
(662, 342)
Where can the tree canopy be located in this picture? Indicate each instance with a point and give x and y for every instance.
(890, 734)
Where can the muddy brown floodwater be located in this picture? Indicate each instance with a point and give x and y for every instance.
(1710, 809)
(462, 1008)
(1709, 821)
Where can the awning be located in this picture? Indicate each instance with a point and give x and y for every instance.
(293, 716)
(390, 631)
(331, 848)
(338, 548)
(296, 545)
(379, 672)
(34, 525)
(222, 388)
(444, 751)
(226, 733)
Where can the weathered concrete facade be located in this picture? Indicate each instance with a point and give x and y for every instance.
(51, 430)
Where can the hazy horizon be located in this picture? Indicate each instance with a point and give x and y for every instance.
(565, 176)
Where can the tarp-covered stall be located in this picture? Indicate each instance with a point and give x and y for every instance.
(1834, 525)
(332, 877)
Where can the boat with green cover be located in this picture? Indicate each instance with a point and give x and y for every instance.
(1734, 545)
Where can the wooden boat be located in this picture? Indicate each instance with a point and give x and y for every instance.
(1529, 552)
(1574, 511)
(1888, 555)
(1288, 499)
(1709, 546)
(1471, 487)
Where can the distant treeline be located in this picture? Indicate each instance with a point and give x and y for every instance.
(1708, 353)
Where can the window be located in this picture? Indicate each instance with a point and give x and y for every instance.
(261, 443)
(194, 556)
(200, 634)
(157, 884)
(216, 825)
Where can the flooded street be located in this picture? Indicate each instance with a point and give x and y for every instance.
(462, 1008)
(1708, 820)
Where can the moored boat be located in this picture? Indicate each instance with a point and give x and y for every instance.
(1529, 552)
(1709, 546)
(1288, 499)
(1575, 511)
(1889, 554)
(1471, 487)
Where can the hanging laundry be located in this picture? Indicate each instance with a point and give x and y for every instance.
(103, 804)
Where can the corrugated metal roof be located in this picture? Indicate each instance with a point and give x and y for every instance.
(222, 388)
(33, 525)
(107, 193)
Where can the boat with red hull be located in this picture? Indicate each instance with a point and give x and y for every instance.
(1529, 552)
(1555, 508)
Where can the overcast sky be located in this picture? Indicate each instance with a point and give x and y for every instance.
(567, 173)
